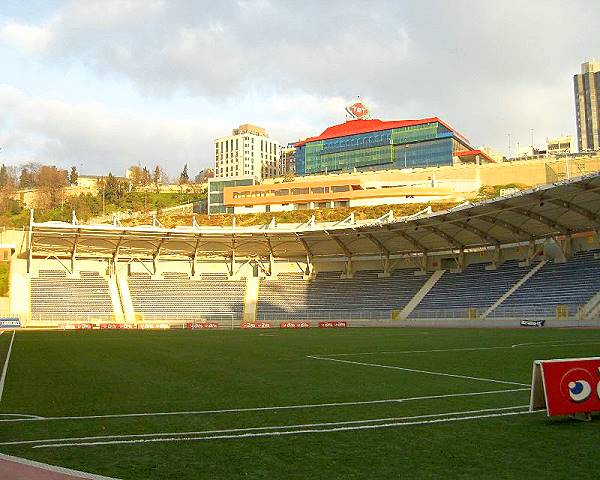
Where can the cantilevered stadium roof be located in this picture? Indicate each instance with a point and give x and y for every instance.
(561, 209)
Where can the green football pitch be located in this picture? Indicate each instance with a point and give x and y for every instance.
(292, 404)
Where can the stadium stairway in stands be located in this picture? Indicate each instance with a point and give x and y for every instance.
(474, 288)
(572, 283)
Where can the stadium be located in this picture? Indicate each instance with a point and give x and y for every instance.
(221, 352)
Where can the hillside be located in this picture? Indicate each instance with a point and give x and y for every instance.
(296, 216)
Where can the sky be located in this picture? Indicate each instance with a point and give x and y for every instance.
(105, 84)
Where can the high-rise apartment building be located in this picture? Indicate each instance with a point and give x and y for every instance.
(248, 151)
(587, 105)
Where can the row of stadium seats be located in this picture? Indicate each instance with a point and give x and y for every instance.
(329, 295)
(291, 296)
(572, 283)
(176, 295)
(55, 295)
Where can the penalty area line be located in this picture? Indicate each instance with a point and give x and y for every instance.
(263, 409)
(288, 432)
(414, 370)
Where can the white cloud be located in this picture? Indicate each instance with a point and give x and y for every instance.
(30, 38)
(97, 139)
(487, 68)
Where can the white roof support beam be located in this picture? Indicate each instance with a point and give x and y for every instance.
(542, 219)
(485, 237)
(591, 216)
(514, 229)
(440, 233)
(414, 242)
(309, 256)
(74, 251)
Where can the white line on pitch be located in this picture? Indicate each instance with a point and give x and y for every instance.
(411, 351)
(260, 409)
(441, 374)
(20, 415)
(466, 349)
(249, 429)
(285, 432)
(5, 369)
(554, 343)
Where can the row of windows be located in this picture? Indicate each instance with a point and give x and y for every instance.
(422, 154)
(233, 144)
(280, 192)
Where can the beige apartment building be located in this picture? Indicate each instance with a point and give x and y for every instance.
(248, 151)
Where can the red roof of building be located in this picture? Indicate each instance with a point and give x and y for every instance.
(473, 153)
(355, 127)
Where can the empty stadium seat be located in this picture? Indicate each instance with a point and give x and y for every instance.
(54, 297)
(177, 296)
(475, 287)
(572, 283)
(328, 295)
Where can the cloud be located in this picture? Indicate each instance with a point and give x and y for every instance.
(488, 68)
(96, 139)
(30, 38)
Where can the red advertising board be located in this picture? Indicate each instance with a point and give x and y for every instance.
(153, 326)
(201, 325)
(256, 325)
(77, 326)
(566, 386)
(294, 325)
(333, 324)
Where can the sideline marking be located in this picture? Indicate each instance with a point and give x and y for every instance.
(417, 371)
(285, 432)
(272, 427)
(5, 369)
(554, 343)
(258, 409)
(411, 351)
(53, 468)
(20, 415)
(466, 349)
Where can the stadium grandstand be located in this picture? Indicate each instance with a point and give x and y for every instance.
(533, 254)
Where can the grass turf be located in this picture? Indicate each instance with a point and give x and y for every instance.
(116, 372)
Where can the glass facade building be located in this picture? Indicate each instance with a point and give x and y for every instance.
(374, 144)
(215, 192)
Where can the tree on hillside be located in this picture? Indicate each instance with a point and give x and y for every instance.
(157, 178)
(3, 176)
(51, 182)
(184, 178)
(114, 189)
(135, 175)
(146, 177)
(8, 184)
(73, 176)
(204, 175)
(26, 178)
